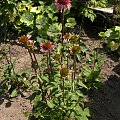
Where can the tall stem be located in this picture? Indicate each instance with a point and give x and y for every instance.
(11, 60)
(74, 66)
(63, 84)
(74, 72)
(48, 65)
(62, 20)
(36, 60)
(32, 59)
(40, 85)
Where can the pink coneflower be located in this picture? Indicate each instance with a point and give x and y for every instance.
(25, 40)
(63, 4)
(30, 43)
(46, 46)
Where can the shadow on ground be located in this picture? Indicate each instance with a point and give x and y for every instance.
(106, 101)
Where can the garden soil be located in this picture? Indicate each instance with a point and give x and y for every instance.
(105, 103)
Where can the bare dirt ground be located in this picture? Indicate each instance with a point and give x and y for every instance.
(14, 109)
(106, 101)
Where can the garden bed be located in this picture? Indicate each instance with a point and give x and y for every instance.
(105, 104)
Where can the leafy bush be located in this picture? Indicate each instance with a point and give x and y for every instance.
(112, 38)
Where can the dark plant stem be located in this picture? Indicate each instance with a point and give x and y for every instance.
(74, 64)
(68, 57)
(11, 61)
(40, 85)
(36, 60)
(48, 67)
(62, 20)
(63, 87)
(67, 61)
(32, 59)
(80, 29)
(74, 72)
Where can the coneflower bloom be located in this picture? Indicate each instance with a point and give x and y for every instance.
(64, 71)
(63, 4)
(30, 43)
(74, 38)
(76, 49)
(23, 39)
(46, 46)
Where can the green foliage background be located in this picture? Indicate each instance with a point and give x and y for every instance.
(24, 16)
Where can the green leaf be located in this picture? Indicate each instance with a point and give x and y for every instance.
(26, 114)
(41, 22)
(35, 88)
(54, 30)
(102, 34)
(50, 103)
(35, 10)
(14, 93)
(108, 32)
(87, 112)
(50, 15)
(82, 84)
(27, 18)
(117, 28)
(83, 118)
(25, 94)
(114, 46)
(40, 40)
(37, 99)
(70, 22)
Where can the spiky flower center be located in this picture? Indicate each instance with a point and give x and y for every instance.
(47, 45)
(64, 71)
(75, 49)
